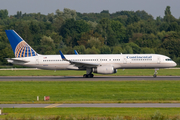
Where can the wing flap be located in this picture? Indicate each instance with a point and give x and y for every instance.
(83, 64)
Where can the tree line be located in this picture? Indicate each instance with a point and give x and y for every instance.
(127, 32)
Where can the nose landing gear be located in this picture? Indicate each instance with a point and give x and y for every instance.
(155, 72)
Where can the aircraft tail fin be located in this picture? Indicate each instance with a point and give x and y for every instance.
(75, 52)
(19, 46)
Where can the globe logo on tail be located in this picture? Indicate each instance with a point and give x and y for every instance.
(24, 50)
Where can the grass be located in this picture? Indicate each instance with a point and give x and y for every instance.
(90, 113)
(121, 72)
(90, 91)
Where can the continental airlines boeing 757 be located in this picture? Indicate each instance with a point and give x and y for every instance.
(92, 63)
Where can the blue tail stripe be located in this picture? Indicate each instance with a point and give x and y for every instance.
(14, 39)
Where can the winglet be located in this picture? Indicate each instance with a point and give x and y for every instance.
(75, 52)
(62, 56)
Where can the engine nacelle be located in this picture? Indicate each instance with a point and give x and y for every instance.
(104, 70)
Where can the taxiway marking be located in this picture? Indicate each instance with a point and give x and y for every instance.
(52, 106)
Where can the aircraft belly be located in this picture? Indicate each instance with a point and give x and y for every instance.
(48, 66)
(145, 65)
(53, 67)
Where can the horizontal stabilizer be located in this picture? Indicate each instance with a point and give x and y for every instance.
(12, 60)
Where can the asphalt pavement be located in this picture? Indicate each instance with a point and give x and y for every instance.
(80, 78)
(115, 105)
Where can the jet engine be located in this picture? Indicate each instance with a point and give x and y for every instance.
(104, 70)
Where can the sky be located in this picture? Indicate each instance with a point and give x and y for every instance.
(154, 7)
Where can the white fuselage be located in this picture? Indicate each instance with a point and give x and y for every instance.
(118, 61)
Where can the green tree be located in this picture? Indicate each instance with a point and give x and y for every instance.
(92, 50)
(164, 26)
(173, 27)
(136, 49)
(50, 17)
(3, 14)
(132, 19)
(92, 25)
(144, 15)
(119, 31)
(147, 50)
(127, 50)
(168, 16)
(71, 31)
(105, 50)
(94, 42)
(18, 15)
(34, 27)
(88, 35)
(111, 39)
(172, 45)
(57, 23)
(162, 51)
(80, 49)
(47, 45)
(6, 53)
(104, 27)
(66, 14)
(117, 50)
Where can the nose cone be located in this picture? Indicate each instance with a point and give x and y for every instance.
(174, 64)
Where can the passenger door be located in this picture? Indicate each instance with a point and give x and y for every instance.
(158, 60)
(37, 60)
(125, 60)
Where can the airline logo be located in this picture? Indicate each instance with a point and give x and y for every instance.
(24, 50)
(139, 57)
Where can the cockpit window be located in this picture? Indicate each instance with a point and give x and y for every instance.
(168, 60)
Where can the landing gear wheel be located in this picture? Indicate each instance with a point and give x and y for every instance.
(154, 75)
(84, 76)
(92, 75)
(88, 76)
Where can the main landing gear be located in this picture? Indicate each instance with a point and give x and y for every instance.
(155, 72)
(88, 73)
(88, 76)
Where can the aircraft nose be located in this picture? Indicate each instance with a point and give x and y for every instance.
(174, 64)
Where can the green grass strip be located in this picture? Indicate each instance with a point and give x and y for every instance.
(98, 113)
(121, 72)
(90, 91)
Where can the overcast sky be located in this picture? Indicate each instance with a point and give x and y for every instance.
(153, 7)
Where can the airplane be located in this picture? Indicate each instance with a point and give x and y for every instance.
(25, 55)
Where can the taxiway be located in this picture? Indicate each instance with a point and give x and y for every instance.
(79, 78)
(120, 105)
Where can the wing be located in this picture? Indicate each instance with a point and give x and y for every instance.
(78, 63)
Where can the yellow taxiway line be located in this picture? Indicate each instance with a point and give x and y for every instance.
(52, 106)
